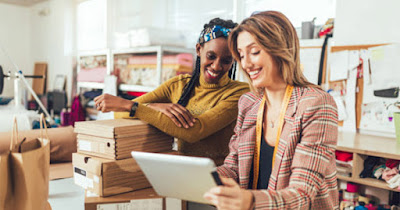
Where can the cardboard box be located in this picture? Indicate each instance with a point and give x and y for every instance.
(140, 199)
(118, 128)
(120, 148)
(115, 139)
(106, 177)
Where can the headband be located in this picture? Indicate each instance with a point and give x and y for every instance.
(213, 33)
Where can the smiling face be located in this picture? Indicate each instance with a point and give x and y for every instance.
(215, 58)
(260, 66)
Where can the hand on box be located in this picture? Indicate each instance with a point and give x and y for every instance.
(108, 103)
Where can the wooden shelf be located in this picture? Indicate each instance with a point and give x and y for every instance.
(377, 146)
(368, 182)
(362, 146)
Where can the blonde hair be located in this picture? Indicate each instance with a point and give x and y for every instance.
(276, 35)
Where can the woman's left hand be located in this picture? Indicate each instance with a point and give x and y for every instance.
(230, 196)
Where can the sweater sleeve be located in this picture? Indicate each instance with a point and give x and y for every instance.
(314, 154)
(209, 122)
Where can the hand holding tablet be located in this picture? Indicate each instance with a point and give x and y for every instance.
(176, 176)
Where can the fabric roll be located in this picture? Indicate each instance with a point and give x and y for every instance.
(62, 142)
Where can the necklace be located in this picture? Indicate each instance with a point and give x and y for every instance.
(272, 124)
(272, 121)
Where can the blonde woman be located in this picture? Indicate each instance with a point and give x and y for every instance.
(282, 155)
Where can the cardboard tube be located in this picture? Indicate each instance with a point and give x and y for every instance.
(62, 142)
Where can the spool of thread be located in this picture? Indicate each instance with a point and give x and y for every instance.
(352, 187)
(350, 196)
(65, 117)
(363, 199)
(57, 120)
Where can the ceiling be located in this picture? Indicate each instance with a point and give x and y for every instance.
(22, 2)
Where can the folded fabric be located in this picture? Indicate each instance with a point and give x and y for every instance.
(394, 182)
(369, 165)
(378, 171)
(344, 156)
(62, 142)
(389, 173)
(185, 59)
(390, 163)
(92, 75)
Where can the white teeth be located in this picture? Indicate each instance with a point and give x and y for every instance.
(253, 73)
(212, 74)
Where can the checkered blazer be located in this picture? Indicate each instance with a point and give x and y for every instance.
(304, 175)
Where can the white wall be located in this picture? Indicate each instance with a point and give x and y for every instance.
(366, 22)
(186, 16)
(53, 38)
(15, 39)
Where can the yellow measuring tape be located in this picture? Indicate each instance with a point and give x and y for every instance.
(260, 116)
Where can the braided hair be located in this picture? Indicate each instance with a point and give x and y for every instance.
(184, 99)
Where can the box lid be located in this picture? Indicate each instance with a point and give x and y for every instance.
(116, 128)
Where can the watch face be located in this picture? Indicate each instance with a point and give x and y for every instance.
(133, 109)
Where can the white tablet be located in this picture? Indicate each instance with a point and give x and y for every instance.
(186, 178)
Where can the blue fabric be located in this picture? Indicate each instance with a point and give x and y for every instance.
(213, 33)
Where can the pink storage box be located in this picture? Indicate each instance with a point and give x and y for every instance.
(184, 59)
(92, 75)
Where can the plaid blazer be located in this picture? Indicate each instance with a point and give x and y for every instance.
(304, 175)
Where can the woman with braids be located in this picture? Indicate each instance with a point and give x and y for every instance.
(199, 110)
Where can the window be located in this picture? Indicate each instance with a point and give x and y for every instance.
(92, 25)
(296, 11)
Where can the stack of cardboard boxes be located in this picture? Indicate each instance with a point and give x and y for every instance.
(103, 164)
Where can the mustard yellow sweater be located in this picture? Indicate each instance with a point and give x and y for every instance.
(215, 107)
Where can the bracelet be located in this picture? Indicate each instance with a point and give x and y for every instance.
(133, 109)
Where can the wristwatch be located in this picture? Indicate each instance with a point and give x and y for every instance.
(133, 109)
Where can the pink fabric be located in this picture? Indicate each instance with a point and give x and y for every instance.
(92, 75)
(185, 59)
(77, 112)
(343, 156)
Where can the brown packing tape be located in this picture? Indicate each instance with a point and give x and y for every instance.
(62, 142)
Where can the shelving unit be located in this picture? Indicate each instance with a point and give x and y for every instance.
(362, 146)
(93, 85)
(160, 51)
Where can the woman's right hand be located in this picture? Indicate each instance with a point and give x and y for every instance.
(108, 103)
(176, 112)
